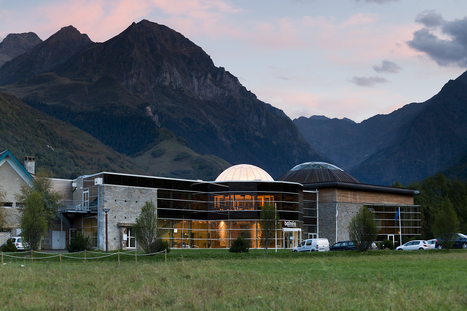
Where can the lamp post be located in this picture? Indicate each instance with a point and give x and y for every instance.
(106, 210)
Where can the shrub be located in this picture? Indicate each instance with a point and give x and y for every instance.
(9, 246)
(159, 245)
(387, 244)
(79, 243)
(240, 245)
(158, 152)
(182, 156)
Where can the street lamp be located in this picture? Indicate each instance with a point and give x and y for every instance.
(106, 210)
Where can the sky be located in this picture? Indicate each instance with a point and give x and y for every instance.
(338, 58)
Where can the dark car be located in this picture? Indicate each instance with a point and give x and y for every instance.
(460, 242)
(343, 246)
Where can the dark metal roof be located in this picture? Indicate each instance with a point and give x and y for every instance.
(317, 172)
(320, 175)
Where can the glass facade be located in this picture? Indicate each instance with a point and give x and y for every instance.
(194, 214)
(389, 225)
(310, 214)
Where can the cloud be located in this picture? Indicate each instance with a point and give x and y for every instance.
(387, 67)
(429, 18)
(449, 51)
(377, 1)
(367, 81)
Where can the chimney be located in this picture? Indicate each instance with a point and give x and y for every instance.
(30, 164)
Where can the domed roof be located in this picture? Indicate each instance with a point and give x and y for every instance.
(317, 172)
(244, 172)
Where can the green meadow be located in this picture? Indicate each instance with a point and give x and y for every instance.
(219, 280)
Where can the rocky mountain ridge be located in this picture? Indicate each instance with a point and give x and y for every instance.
(149, 78)
(407, 145)
(16, 44)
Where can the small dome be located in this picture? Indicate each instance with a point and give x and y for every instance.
(244, 172)
(317, 172)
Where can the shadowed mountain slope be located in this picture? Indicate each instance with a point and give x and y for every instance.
(162, 79)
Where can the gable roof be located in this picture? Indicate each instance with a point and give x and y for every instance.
(7, 157)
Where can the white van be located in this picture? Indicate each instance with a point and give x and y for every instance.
(312, 245)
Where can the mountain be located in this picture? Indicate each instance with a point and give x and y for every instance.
(16, 44)
(125, 91)
(66, 150)
(55, 50)
(410, 144)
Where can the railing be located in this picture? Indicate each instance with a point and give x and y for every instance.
(76, 206)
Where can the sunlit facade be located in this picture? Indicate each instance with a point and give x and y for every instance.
(191, 214)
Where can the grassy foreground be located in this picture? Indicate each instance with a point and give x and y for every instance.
(218, 280)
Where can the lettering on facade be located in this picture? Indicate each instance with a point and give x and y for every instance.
(290, 224)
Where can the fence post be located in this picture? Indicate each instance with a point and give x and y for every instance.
(165, 251)
(2, 258)
(32, 255)
(119, 258)
(136, 257)
(84, 256)
(60, 260)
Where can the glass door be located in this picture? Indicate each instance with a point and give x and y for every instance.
(131, 240)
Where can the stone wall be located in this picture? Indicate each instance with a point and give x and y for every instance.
(125, 205)
(348, 203)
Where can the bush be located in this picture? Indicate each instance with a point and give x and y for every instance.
(158, 152)
(240, 245)
(182, 156)
(387, 244)
(79, 243)
(158, 246)
(9, 246)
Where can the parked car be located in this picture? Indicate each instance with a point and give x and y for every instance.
(343, 246)
(413, 245)
(17, 240)
(432, 243)
(312, 245)
(460, 242)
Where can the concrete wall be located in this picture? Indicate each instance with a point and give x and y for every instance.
(11, 183)
(125, 205)
(348, 203)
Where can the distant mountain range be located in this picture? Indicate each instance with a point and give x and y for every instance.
(410, 144)
(150, 101)
(150, 85)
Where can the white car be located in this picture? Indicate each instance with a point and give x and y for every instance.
(432, 243)
(17, 240)
(413, 245)
(312, 245)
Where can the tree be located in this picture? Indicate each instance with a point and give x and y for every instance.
(446, 224)
(362, 229)
(33, 222)
(146, 228)
(269, 220)
(49, 198)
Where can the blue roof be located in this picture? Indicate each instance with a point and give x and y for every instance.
(7, 154)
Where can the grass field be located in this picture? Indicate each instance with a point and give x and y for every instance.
(219, 280)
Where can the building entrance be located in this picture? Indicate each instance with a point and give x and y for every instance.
(291, 237)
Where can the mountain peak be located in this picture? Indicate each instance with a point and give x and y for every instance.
(55, 50)
(16, 44)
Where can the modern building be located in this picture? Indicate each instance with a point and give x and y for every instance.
(340, 196)
(191, 213)
(312, 200)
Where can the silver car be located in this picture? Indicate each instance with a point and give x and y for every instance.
(432, 243)
(413, 245)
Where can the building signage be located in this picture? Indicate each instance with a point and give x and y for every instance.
(290, 224)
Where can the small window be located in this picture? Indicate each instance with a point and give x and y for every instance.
(308, 242)
(8, 204)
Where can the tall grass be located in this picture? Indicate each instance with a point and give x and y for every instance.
(219, 280)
